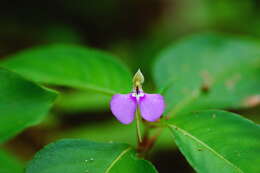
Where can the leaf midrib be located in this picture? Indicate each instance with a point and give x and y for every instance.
(185, 133)
(117, 159)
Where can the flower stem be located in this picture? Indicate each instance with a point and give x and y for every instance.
(138, 127)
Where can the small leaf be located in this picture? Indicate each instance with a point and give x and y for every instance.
(208, 71)
(9, 164)
(218, 141)
(75, 155)
(22, 104)
(72, 66)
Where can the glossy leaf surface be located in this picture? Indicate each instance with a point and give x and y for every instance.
(75, 155)
(72, 66)
(22, 104)
(218, 141)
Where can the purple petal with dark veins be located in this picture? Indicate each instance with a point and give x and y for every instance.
(151, 106)
(123, 106)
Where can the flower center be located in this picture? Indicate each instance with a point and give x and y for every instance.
(138, 93)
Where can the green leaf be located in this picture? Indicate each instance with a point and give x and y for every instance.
(208, 71)
(22, 104)
(76, 155)
(218, 141)
(72, 66)
(9, 164)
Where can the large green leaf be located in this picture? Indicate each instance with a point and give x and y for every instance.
(208, 71)
(72, 66)
(218, 141)
(22, 104)
(9, 164)
(76, 156)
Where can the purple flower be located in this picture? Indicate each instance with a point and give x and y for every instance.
(124, 106)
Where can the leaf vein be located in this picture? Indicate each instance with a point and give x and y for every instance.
(117, 159)
(206, 146)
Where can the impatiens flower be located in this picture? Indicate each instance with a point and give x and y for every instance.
(124, 106)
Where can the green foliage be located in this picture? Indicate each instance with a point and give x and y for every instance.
(73, 156)
(208, 71)
(72, 66)
(218, 141)
(9, 164)
(201, 72)
(22, 104)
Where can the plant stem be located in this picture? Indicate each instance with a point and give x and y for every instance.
(148, 141)
(138, 127)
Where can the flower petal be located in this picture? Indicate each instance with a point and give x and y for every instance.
(151, 106)
(123, 106)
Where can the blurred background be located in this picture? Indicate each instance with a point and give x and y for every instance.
(134, 30)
